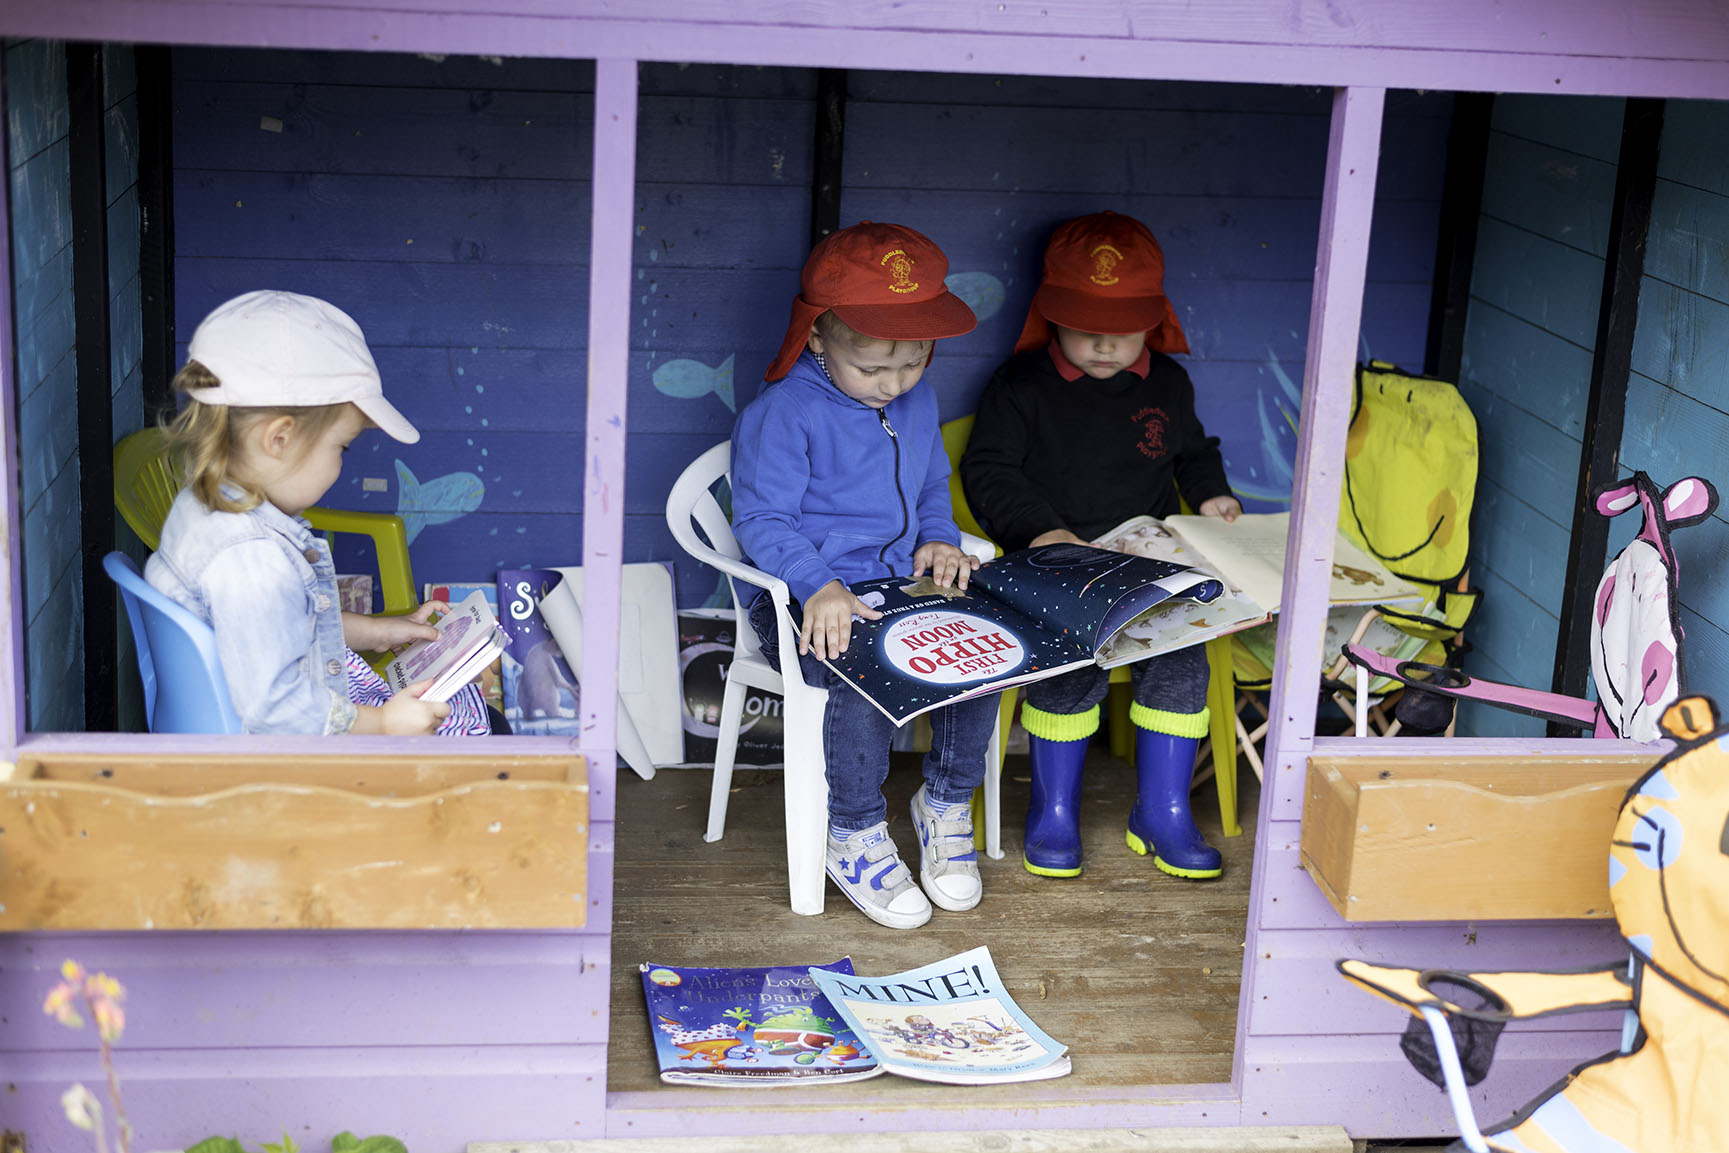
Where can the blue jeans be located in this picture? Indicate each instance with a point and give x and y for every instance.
(856, 741)
(1174, 682)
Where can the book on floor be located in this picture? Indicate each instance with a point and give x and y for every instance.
(468, 641)
(750, 1026)
(1248, 554)
(951, 1021)
(1030, 615)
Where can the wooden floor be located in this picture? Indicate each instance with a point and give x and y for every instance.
(1135, 971)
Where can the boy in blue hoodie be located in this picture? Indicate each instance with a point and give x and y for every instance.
(838, 476)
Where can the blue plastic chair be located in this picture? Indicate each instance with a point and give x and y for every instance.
(184, 689)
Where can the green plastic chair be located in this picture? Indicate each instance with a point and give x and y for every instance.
(146, 483)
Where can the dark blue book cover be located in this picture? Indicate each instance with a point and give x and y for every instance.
(1024, 617)
(750, 1026)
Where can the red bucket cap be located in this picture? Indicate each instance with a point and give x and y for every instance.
(1104, 273)
(883, 281)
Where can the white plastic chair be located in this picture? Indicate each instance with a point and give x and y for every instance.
(692, 506)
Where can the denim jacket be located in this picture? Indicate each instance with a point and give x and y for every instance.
(267, 585)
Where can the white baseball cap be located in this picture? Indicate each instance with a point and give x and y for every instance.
(281, 348)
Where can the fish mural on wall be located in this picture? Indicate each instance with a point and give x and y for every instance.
(692, 380)
(687, 379)
(437, 501)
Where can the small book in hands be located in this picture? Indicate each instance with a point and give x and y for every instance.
(468, 640)
(1024, 617)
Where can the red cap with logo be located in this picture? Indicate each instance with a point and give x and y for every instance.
(881, 280)
(1104, 273)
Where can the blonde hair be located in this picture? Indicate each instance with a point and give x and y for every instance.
(205, 438)
(832, 328)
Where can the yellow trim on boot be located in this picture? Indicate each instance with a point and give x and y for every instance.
(1042, 871)
(1171, 724)
(1143, 848)
(1059, 726)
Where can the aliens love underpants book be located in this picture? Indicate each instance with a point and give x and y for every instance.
(750, 1027)
(1030, 615)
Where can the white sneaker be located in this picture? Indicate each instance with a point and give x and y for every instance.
(948, 863)
(869, 870)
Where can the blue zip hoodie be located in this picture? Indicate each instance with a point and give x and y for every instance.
(825, 487)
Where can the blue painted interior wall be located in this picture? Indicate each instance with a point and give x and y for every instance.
(125, 307)
(1529, 336)
(40, 189)
(40, 192)
(444, 203)
(1228, 177)
(1678, 396)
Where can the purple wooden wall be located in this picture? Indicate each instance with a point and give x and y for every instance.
(1307, 1052)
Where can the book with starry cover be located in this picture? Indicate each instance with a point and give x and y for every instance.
(751, 1027)
(1024, 617)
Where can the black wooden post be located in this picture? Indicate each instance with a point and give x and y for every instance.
(156, 227)
(85, 92)
(1456, 238)
(1606, 406)
(827, 155)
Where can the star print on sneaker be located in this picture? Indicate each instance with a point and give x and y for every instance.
(868, 869)
(948, 863)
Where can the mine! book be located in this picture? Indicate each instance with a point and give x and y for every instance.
(951, 1021)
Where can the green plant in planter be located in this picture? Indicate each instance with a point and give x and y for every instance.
(100, 996)
(342, 1143)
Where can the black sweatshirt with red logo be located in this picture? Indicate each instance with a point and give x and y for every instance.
(1047, 452)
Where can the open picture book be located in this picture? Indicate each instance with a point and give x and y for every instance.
(468, 641)
(1030, 615)
(951, 1021)
(1248, 554)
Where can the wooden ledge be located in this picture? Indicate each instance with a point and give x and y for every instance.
(267, 842)
(1466, 838)
(1223, 1139)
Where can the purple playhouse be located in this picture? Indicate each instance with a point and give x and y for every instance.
(570, 229)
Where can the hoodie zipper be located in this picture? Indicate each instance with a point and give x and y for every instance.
(883, 553)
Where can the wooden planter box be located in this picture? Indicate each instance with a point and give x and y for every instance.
(1465, 838)
(275, 842)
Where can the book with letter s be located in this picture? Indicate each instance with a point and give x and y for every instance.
(1024, 617)
(951, 1021)
(1248, 554)
(468, 641)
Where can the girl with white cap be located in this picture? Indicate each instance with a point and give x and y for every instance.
(279, 384)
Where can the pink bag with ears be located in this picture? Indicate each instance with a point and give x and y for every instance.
(1635, 626)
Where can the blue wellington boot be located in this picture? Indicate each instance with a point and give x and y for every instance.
(1160, 822)
(1053, 844)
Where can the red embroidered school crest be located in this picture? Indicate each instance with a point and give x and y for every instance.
(1152, 422)
(900, 267)
(1105, 261)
